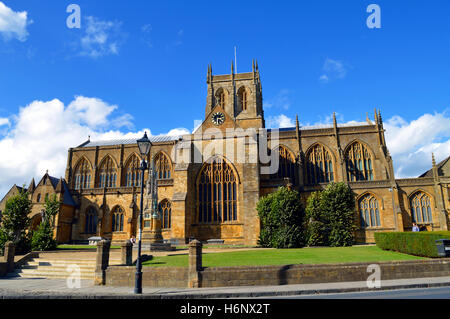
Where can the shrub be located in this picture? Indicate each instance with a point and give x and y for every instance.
(316, 222)
(281, 219)
(330, 216)
(413, 243)
(43, 238)
(338, 204)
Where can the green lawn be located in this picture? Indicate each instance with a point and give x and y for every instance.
(286, 257)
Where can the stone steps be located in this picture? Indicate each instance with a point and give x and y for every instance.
(48, 274)
(58, 268)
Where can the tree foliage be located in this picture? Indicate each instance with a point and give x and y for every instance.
(338, 203)
(281, 219)
(330, 216)
(316, 222)
(15, 222)
(42, 238)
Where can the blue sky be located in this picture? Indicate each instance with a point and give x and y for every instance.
(149, 69)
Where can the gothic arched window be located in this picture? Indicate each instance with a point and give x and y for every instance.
(221, 97)
(82, 176)
(90, 226)
(165, 207)
(107, 173)
(117, 217)
(163, 166)
(217, 193)
(319, 166)
(133, 172)
(369, 211)
(286, 164)
(242, 99)
(359, 163)
(421, 208)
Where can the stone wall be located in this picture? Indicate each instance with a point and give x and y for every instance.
(124, 276)
(177, 277)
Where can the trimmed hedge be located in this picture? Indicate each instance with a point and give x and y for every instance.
(412, 243)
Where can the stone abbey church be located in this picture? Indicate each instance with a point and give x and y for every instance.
(206, 194)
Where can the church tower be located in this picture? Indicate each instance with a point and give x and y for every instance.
(239, 94)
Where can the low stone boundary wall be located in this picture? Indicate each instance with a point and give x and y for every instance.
(311, 274)
(178, 277)
(124, 276)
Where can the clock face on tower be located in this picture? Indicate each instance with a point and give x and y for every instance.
(218, 118)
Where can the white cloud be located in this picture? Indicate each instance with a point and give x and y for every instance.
(40, 135)
(42, 132)
(411, 143)
(179, 39)
(101, 38)
(280, 121)
(178, 131)
(4, 121)
(13, 24)
(333, 69)
(324, 79)
(146, 34)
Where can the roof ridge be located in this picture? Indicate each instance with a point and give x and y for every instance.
(154, 138)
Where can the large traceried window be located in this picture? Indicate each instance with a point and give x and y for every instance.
(82, 175)
(359, 163)
(217, 193)
(369, 210)
(90, 225)
(165, 207)
(421, 208)
(319, 166)
(133, 172)
(117, 219)
(163, 166)
(287, 165)
(107, 173)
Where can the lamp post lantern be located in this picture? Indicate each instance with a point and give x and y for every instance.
(144, 145)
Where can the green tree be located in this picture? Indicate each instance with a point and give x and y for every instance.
(338, 204)
(42, 238)
(15, 222)
(316, 222)
(281, 219)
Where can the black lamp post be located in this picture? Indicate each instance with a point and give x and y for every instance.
(144, 145)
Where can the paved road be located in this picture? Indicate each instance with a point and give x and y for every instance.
(423, 293)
